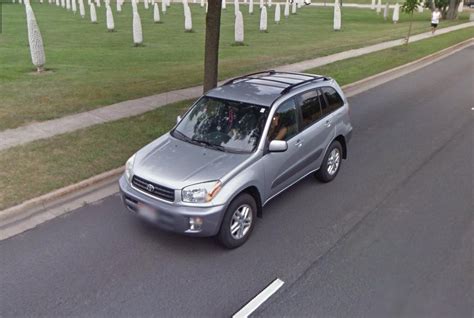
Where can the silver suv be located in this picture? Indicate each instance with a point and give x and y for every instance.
(235, 149)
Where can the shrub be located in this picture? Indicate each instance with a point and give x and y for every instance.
(93, 13)
(35, 40)
(156, 13)
(137, 28)
(263, 19)
(239, 29)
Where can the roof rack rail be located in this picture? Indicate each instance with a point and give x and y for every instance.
(315, 78)
(247, 75)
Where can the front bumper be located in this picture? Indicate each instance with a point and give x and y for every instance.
(171, 216)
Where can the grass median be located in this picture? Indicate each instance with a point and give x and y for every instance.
(91, 67)
(43, 166)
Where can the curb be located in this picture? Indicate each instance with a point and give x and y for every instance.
(388, 75)
(27, 215)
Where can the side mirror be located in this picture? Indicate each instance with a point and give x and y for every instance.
(178, 119)
(277, 146)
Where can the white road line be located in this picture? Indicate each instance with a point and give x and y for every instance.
(259, 299)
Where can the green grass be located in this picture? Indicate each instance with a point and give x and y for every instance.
(42, 166)
(92, 67)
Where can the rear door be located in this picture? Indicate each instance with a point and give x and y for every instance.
(314, 131)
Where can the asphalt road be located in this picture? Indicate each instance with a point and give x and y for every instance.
(391, 236)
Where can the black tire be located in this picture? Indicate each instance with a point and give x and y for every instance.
(322, 174)
(225, 236)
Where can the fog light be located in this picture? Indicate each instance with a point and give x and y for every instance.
(195, 223)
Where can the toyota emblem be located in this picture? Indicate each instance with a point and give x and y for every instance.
(150, 188)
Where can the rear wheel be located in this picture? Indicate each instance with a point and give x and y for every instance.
(331, 163)
(238, 221)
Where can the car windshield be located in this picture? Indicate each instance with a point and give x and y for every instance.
(223, 125)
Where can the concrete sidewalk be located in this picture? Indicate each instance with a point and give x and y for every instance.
(22, 135)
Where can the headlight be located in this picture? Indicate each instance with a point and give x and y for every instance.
(201, 193)
(129, 168)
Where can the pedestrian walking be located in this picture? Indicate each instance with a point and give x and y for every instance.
(435, 16)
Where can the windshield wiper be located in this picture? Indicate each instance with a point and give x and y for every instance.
(182, 136)
(208, 144)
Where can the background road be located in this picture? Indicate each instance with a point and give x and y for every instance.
(391, 236)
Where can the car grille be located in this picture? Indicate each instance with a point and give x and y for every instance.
(153, 189)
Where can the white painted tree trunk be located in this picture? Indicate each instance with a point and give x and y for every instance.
(261, 4)
(287, 9)
(163, 6)
(82, 10)
(93, 13)
(97, 2)
(119, 6)
(236, 7)
(168, 3)
(263, 19)
(372, 5)
(202, 3)
(420, 8)
(251, 7)
(134, 7)
(293, 7)
(156, 13)
(57, 3)
(137, 29)
(41, 1)
(385, 11)
(224, 5)
(461, 6)
(68, 5)
(239, 28)
(277, 13)
(73, 6)
(337, 16)
(396, 13)
(269, 3)
(63, 3)
(379, 6)
(188, 21)
(207, 6)
(35, 40)
(110, 18)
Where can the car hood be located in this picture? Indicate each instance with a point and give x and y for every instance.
(176, 164)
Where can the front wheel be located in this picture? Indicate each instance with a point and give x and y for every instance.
(331, 163)
(238, 221)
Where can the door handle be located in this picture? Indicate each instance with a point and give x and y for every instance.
(328, 123)
(299, 143)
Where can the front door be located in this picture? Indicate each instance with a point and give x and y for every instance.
(282, 168)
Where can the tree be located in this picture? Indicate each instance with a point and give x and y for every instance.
(448, 8)
(211, 46)
(452, 12)
(409, 7)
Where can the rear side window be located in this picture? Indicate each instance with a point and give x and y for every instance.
(310, 107)
(332, 102)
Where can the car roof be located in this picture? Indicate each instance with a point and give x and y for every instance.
(262, 88)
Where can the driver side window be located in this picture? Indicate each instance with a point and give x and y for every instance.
(284, 123)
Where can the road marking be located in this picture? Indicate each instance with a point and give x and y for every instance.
(258, 300)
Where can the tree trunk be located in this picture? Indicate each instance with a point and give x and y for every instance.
(409, 29)
(453, 9)
(211, 50)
